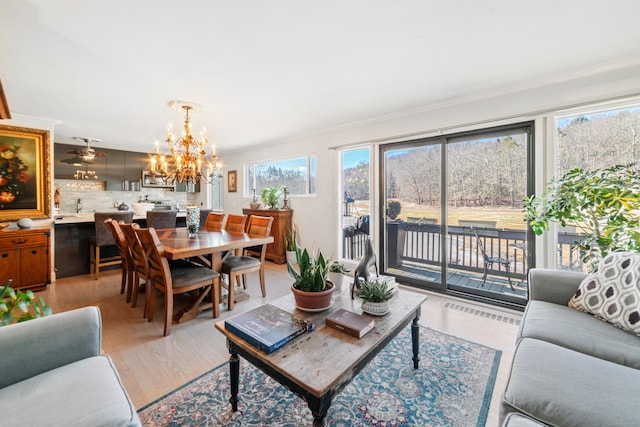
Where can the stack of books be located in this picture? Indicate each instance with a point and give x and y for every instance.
(267, 327)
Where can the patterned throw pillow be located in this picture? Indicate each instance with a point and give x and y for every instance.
(613, 292)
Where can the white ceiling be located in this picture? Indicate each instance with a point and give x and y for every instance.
(273, 70)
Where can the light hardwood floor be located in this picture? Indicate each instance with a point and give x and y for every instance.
(152, 365)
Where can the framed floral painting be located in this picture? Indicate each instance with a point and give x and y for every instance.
(24, 173)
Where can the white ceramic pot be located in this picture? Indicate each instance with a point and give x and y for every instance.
(376, 308)
(291, 257)
(337, 279)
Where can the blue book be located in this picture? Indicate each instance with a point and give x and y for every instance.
(267, 327)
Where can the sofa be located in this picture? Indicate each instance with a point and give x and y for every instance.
(52, 374)
(571, 368)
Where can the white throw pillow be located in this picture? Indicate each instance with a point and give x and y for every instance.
(612, 293)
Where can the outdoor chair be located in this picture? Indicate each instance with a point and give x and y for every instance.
(489, 261)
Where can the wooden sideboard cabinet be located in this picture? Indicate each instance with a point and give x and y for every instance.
(24, 257)
(281, 226)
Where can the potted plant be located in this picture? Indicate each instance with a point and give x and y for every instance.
(290, 244)
(602, 204)
(270, 197)
(375, 297)
(337, 271)
(393, 209)
(20, 306)
(311, 289)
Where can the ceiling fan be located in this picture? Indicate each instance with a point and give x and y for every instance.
(87, 154)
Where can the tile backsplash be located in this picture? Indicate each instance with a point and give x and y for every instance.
(93, 197)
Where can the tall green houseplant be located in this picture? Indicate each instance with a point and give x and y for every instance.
(312, 275)
(603, 204)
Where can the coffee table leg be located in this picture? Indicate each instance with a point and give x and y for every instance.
(234, 367)
(319, 408)
(415, 338)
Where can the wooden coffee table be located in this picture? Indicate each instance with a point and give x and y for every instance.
(319, 364)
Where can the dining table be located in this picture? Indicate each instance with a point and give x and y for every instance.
(177, 244)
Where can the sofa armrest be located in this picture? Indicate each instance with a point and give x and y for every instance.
(30, 348)
(556, 286)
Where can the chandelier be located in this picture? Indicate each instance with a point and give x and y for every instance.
(188, 160)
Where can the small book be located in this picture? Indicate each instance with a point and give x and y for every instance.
(349, 322)
(267, 327)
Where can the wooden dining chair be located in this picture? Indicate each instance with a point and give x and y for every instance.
(236, 266)
(125, 255)
(175, 280)
(138, 263)
(235, 223)
(215, 221)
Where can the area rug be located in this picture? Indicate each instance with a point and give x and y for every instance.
(452, 387)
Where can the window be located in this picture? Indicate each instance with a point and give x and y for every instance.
(355, 185)
(453, 218)
(599, 139)
(297, 174)
(591, 140)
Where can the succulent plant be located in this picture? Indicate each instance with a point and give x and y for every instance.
(338, 267)
(375, 292)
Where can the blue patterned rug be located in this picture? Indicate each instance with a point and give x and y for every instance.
(452, 387)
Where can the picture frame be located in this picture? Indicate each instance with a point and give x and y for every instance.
(25, 184)
(232, 181)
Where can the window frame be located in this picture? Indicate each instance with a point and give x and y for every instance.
(311, 175)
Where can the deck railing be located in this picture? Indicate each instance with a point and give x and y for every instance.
(420, 243)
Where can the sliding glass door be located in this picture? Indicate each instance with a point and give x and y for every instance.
(454, 218)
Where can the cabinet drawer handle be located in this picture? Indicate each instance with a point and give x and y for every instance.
(33, 252)
(5, 255)
(19, 242)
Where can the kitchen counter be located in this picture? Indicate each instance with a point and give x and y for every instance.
(80, 218)
(72, 235)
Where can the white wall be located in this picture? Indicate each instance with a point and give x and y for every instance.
(317, 216)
